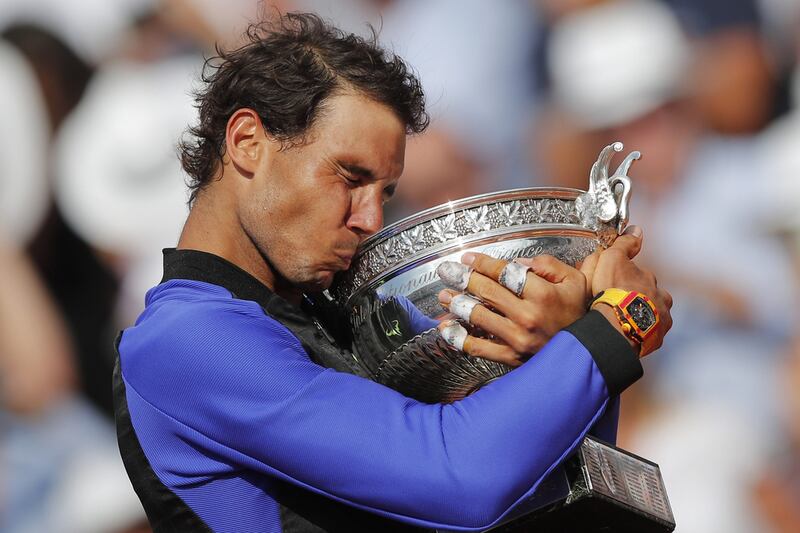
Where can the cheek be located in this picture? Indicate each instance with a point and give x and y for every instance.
(336, 202)
(255, 222)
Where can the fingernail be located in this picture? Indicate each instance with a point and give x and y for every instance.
(636, 231)
(468, 258)
(453, 333)
(445, 297)
(454, 275)
(462, 305)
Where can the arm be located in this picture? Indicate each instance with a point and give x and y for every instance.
(266, 408)
(35, 353)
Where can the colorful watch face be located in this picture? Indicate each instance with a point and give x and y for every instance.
(641, 313)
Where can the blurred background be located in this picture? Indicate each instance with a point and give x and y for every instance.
(94, 95)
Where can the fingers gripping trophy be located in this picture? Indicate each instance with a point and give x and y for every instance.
(444, 302)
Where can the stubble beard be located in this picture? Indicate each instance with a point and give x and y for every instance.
(295, 275)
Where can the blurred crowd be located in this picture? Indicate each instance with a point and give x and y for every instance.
(94, 96)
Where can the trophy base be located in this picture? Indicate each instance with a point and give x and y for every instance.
(600, 488)
(590, 515)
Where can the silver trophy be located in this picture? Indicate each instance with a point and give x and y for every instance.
(390, 296)
(390, 291)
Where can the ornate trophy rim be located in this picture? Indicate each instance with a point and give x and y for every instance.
(477, 200)
(464, 222)
(473, 240)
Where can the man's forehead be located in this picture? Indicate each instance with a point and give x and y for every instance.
(364, 133)
(359, 111)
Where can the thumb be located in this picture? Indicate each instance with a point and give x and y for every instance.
(629, 242)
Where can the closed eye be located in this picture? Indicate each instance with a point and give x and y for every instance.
(358, 171)
(353, 180)
(389, 191)
(356, 174)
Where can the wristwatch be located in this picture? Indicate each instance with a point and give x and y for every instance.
(636, 313)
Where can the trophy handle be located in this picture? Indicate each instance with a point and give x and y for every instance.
(608, 197)
(623, 197)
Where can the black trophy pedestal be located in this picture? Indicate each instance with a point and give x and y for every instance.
(600, 488)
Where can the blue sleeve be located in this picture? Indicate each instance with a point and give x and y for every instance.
(253, 398)
(417, 321)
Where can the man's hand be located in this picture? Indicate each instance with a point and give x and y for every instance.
(554, 296)
(614, 268)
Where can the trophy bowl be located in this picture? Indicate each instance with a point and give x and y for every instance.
(390, 291)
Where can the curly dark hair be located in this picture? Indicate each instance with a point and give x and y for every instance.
(285, 72)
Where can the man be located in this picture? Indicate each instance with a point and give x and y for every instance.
(228, 419)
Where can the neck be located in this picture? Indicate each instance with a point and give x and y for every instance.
(213, 227)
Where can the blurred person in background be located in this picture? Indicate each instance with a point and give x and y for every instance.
(778, 490)
(36, 360)
(58, 460)
(24, 136)
(619, 71)
(623, 70)
(733, 76)
(60, 463)
(127, 197)
(65, 262)
(60, 470)
(105, 202)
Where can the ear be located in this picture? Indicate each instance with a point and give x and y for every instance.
(245, 140)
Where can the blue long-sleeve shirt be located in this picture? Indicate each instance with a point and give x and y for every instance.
(228, 407)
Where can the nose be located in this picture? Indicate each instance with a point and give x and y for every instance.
(366, 216)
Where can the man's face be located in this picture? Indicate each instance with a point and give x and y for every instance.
(310, 206)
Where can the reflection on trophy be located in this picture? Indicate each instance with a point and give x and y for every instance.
(390, 294)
